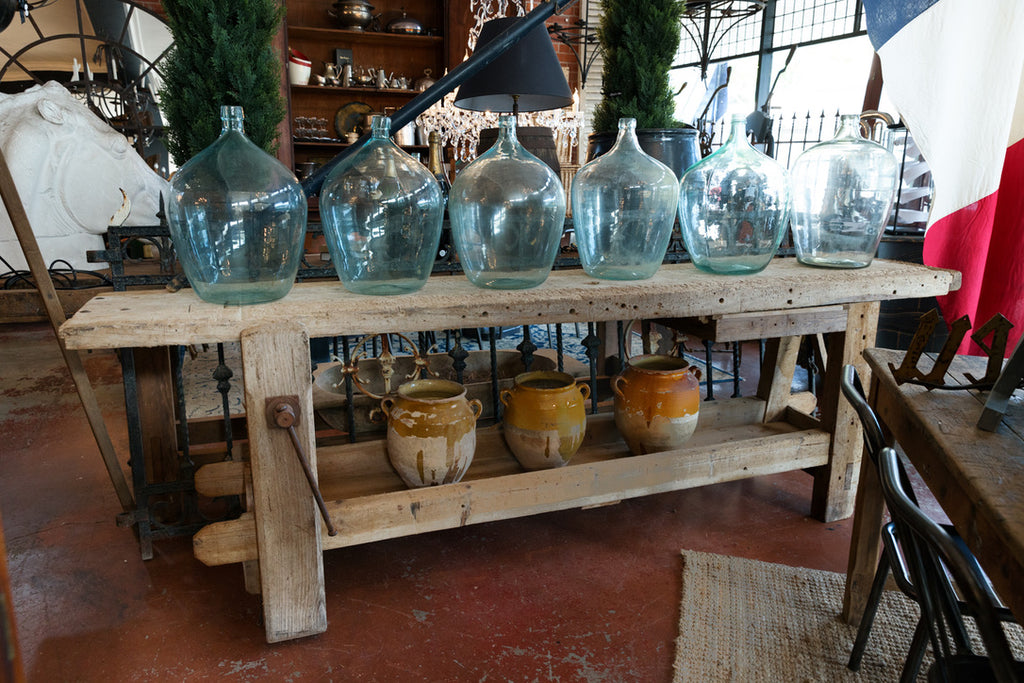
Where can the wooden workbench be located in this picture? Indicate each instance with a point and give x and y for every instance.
(279, 539)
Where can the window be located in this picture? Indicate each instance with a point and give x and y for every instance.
(829, 69)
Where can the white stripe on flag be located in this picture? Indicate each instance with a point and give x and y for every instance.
(1017, 128)
(954, 73)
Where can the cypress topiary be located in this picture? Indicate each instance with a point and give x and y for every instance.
(640, 40)
(222, 55)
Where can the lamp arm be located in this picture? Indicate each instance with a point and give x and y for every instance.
(456, 77)
(768, 100)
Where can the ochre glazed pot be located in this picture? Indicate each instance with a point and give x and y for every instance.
(656, 402)
(431, 431)
(545, 418)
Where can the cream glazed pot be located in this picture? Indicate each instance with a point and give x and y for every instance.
(431, 435)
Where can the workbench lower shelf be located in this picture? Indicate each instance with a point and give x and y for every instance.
(368, 502)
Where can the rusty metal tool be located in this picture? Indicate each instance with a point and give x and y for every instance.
(283, 412)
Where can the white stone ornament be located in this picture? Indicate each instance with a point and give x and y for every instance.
(75, 175)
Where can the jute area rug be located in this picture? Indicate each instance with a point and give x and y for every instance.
(747, 621)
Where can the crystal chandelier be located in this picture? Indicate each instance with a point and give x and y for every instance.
(460, 128)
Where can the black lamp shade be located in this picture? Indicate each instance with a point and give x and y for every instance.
(528, 69)
(8, 8)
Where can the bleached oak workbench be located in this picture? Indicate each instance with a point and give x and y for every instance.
(280, 539)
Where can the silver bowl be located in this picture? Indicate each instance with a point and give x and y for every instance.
(354, 15)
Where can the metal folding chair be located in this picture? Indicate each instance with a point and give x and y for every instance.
(939, 562)
(891, 559)
(895, 558)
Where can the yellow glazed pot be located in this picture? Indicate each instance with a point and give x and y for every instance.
(656, 402)
(545, 418)
(431, 431)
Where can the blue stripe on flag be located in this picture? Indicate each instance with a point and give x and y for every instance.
(885, 18)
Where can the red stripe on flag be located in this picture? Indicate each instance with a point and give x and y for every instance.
(985, 242)
(1002, 290)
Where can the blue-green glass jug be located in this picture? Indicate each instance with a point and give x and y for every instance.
(734, 207)
(623, 209)
(381, 212)
(237, 218)
(507, 210)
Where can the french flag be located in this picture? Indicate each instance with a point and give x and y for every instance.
(953, 69)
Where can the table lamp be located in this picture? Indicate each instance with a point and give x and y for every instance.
(526, 77)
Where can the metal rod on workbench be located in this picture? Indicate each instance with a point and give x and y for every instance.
(419, 104)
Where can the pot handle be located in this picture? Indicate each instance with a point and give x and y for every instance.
(695, 371)
(385, 406)
(619, 380)
(584, 390)
(505, 396)
(477, 407)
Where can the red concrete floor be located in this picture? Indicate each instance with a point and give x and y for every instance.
(581, 595)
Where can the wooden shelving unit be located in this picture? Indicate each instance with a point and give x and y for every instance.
(315, 34)
(379, 38)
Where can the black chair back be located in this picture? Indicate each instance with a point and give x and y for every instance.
(931, 552)
(874, 437)
(854, 393)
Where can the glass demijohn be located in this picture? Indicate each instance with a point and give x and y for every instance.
(623, 208)
(382, 211)
(507, 211)
(733, 207)
(843, 192)
(237, 218)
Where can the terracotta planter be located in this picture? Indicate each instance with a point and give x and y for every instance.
(656, 403)
(431, 431)
(545, 418)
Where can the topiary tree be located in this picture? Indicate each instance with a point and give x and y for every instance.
(640, 39)
(222, 55)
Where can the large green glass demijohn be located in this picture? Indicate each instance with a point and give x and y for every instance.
(843, 192)
(238, 219)
(507, 210)
(733, 207)
(623, 209)
(382, 212)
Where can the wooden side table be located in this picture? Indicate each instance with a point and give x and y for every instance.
(975, 475)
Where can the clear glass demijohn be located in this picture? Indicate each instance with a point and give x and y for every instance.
(733, 206)
(507, 210)
(623, 210)
(381, 211)
(843, 192)
(237, 218)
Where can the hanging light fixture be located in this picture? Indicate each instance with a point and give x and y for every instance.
(707, 22)
(8, 8)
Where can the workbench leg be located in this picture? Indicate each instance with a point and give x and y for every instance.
(865, 540)
(251, 574)
(777, 368)
(250, 568)
(277, 363)
(154, 377)
(835, 484)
